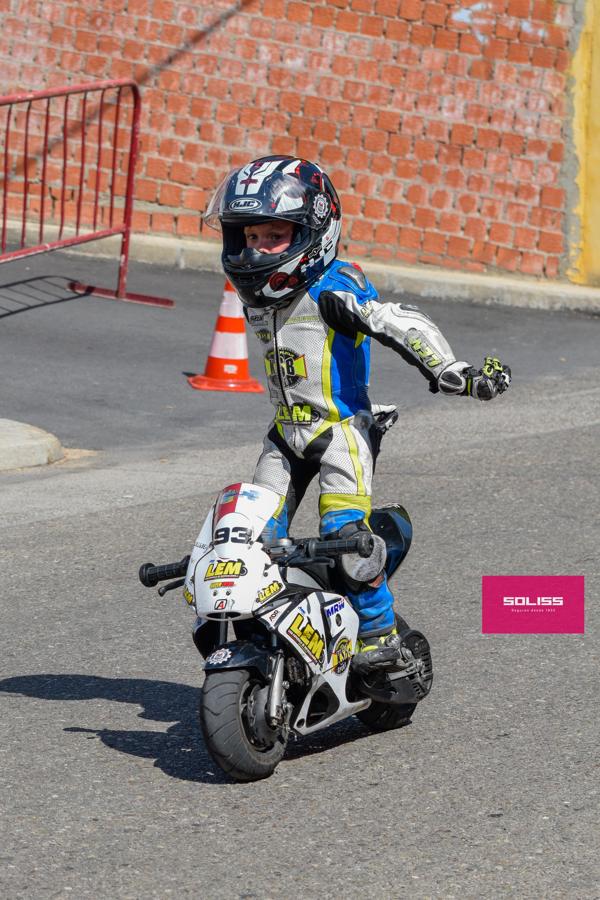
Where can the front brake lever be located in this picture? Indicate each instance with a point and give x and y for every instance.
(291, 560)
(171, 586)
(297, 560)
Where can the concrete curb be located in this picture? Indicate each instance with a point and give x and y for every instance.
(420, 281)
(23, 446)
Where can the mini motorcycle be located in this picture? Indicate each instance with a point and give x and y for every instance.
(289, 668)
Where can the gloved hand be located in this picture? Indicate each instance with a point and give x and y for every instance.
(494, 378)
(485, 383)
(385, 415)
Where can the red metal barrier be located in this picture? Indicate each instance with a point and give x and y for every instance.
(52, 163)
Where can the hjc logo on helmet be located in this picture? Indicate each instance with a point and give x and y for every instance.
(245, 204)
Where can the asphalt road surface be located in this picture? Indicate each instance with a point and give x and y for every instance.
(106, 789)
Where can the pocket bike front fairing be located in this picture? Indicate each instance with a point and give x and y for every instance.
(289, 667)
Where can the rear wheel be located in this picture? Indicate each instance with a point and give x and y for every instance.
(234, 728)
(385, 717)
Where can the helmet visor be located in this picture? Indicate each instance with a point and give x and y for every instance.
(213, 210)
(245, 197)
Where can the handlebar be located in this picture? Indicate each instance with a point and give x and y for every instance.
(306, 549)
(150, 574)
(314, 550)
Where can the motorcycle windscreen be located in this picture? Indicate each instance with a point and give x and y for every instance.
(393, 524)
(255, 503)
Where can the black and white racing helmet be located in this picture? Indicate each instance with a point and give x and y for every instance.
(276, 187)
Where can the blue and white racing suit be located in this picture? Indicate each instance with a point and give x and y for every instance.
(316, 353)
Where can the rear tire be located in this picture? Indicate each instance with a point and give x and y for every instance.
(226, 727)
(385, 717)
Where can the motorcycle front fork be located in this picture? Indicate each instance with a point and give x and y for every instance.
(278, 711)
(275, 710)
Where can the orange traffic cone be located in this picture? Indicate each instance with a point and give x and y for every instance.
(227, 365)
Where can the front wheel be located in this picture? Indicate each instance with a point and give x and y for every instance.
(234, 728)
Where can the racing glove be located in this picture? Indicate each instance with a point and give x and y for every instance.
(484, 384)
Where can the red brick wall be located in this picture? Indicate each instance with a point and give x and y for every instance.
(442, 124)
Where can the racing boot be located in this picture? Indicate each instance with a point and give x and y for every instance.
(382, 651)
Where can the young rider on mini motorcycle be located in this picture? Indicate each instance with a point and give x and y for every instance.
(314, 315)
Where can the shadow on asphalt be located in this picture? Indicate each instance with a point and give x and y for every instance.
(179, 751)
(36, 293)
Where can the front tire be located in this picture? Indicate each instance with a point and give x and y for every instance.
(226, 720)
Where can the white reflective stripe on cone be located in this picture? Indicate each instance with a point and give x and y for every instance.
(229, 346)
(231, 306)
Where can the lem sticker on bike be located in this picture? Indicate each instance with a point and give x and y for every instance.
(225, 568)
(532, 604)
(308, 638)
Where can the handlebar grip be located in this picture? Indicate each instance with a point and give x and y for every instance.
(150, 574)
(362, 544)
